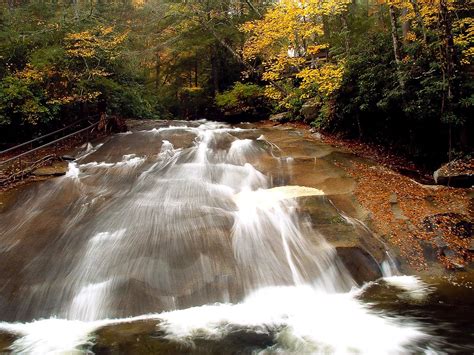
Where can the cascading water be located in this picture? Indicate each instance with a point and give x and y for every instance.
(182, 225)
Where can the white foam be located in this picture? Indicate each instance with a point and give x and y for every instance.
(209, 125)
(163, 129)
(108, 236)
(413, 286)
(266, 198)
(72, 171)
(49, 336)
(305, 321)
(128, 160)
(241, 149)
(95, 164)
(89, 150)
(167, 150)
(131, 160)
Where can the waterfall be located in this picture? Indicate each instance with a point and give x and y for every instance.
(179, 224)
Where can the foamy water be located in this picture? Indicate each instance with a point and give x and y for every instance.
(202, 235)
(301, 318)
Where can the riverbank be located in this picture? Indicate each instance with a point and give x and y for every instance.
(429, 225)
(51, 159)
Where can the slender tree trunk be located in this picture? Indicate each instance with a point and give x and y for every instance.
(406, 25)
(396, 44)
(196, 81)
(326, 30)
(254, 9)
(158, 71)
(448, 50)
(346, 34)
(448, 65)
(76, 10)
(214, 69)
(359, 127)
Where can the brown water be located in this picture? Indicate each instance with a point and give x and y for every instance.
(214, 239)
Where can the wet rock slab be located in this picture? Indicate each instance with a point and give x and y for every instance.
(146, 337)
(55, 169)
(6, 340)
(362, 266)
(359, 250)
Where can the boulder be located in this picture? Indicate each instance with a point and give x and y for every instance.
(56, 169)
(458, 173)
(362, 266)
(430, 252)
(68, 157)
(454, 260)
(310, 110)
(458, 224)
(280, 117)
(440, 243)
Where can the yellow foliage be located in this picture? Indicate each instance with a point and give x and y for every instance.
(411, 37)
(99, 72)
(30, 75)
(279, 65)
(288, 37)
(272, 93)
(315, 49)
(326, 79)
(87, 44)
(289, 24)
(464, 38)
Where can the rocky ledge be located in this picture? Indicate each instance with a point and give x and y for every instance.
(458, 173)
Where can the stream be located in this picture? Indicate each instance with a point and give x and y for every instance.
(202, 237)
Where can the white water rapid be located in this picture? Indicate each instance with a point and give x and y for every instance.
(192, 226)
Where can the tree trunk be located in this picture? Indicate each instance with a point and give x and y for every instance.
(346, 34)
(448, 50)
(214, 69)
(196, 73)
(396, 45)
(253, 8)
(406, 25)
(448, 65)
(158, 71)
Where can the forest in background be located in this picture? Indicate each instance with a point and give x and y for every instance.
(397, 73)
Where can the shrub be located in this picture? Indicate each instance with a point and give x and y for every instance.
(242, 99)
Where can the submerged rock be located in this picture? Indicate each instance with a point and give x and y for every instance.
(362, 266)
(6, 340)
(146, 337)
